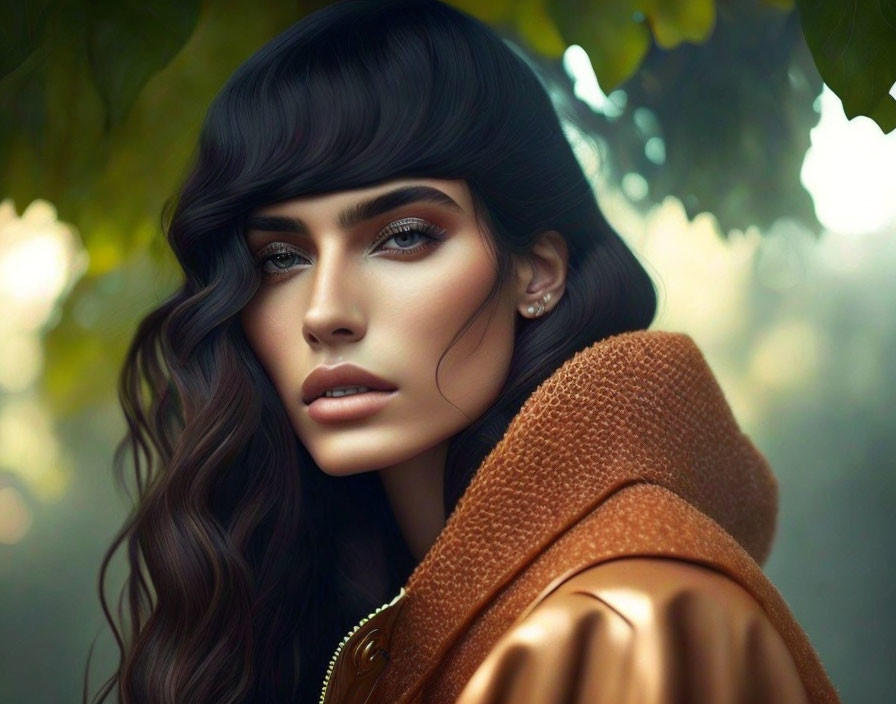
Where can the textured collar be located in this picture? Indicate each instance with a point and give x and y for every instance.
(642, 406)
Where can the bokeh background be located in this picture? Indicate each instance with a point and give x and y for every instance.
(765, 215)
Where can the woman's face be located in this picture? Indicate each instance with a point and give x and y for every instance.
(348, 285)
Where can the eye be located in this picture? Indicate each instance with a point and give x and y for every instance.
(279, 259)
(406, 229)
(275, 260)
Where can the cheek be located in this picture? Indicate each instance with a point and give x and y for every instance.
(268, 334)
(475, 368)
(450, 293)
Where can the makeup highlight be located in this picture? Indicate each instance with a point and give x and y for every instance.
(433, 236)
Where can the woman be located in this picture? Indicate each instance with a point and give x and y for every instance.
(519, 493)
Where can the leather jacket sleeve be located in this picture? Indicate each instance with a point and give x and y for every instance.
(640, 630)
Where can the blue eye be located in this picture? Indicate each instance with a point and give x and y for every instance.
(411, 226)
(278, 258)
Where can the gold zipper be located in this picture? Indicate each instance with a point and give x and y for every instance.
(330, 668)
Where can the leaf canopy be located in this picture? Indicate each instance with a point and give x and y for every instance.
(101, 105)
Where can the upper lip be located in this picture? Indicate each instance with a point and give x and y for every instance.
(323, 378)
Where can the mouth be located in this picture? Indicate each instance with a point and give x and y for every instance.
(331, 409)
(341, 381)
(333, 397)
(338, 394)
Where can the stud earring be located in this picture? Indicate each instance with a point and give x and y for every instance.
(538, 308)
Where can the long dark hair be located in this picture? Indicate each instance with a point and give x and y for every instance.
(247, 562)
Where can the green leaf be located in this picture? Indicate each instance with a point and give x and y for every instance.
(674, 21)
(128, 41)
(854, 47)
(617, 35)
(21, 31)
(611, 33)
(533, 23)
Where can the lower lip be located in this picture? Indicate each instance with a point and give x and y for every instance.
(352, 407)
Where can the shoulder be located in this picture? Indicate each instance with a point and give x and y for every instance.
(645, 630)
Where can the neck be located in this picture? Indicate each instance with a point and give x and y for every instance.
(414, 489)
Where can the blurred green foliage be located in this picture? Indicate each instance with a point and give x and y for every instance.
(129, 41)
(734, 114)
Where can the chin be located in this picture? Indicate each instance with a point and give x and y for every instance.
(344, 471)
(351, 462)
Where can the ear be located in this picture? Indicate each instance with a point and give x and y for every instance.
(541, 275)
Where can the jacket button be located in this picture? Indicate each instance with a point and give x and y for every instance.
(369, 651)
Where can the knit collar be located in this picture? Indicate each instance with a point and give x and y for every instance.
(641, 406)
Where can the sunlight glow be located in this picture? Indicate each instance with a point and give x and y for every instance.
(30, 450)
(703, 277)
(585, 85)
(21, 361)
(849, 170)
(788, 356)
(40, 258)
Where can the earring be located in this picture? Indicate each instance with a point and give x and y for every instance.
(540, 307)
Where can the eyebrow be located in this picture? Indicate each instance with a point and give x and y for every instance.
(359, 212)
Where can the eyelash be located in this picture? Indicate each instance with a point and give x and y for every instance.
(433, 236)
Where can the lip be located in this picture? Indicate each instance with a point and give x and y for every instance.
(346, 374)
(353, 407)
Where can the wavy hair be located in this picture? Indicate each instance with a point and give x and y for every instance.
(243, 575)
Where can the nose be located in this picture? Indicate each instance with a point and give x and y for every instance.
(333, 315)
